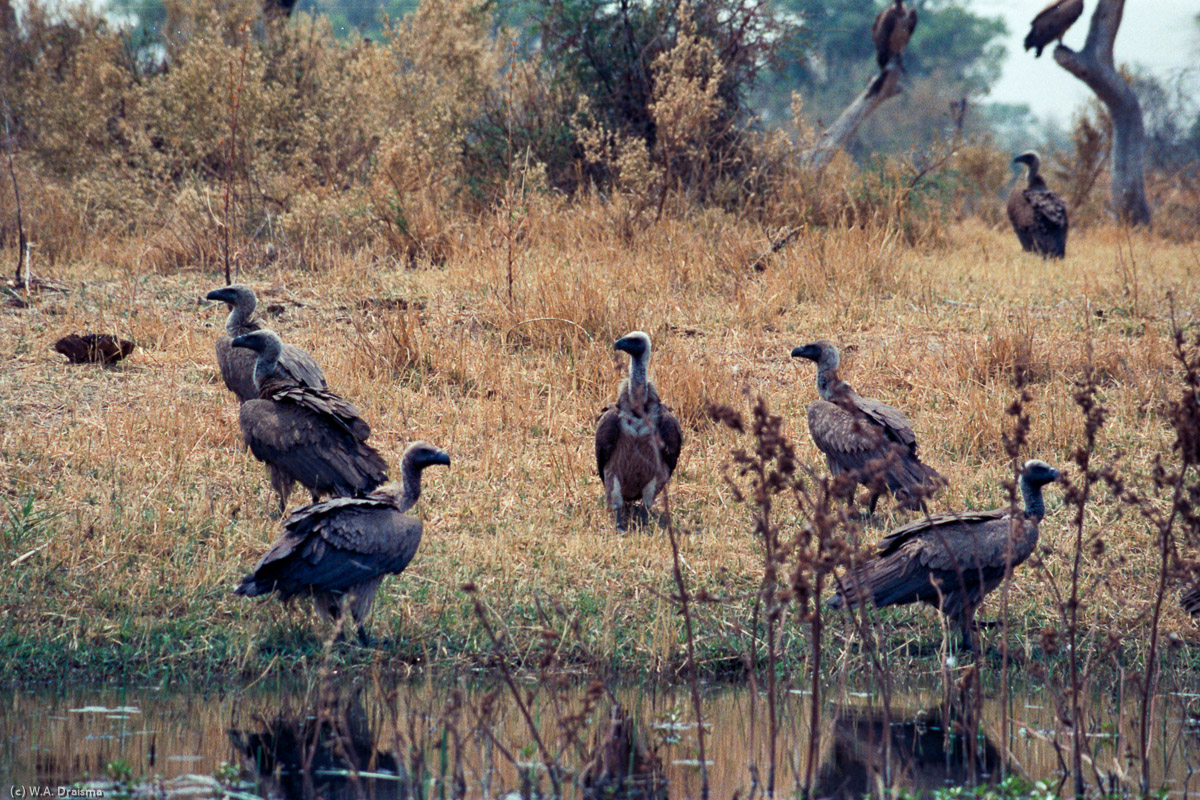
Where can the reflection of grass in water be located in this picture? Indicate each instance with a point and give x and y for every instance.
(374, 722)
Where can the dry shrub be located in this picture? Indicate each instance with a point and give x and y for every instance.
(409, 196)
(997, 355)
(188, 236)
(54, 219)
(1082, 175)
(392, 346)
(686, 106)
(1175, 198)
(625, 162)
(984, 172)
(848, 265)
(693, 384)
(350, 141)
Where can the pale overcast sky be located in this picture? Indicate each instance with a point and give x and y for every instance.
(1157, 35)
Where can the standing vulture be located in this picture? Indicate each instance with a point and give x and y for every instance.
(1051, 23)
(637, 438)
(237, 366)
(1038, 215)
(338, 551)
(951, 561)
(303, 434)
(869, 441)
(891, 30)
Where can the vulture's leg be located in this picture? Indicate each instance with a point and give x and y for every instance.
(364, 638)
(316, 498)
(967, 623)
(851, 511)
(871, 503)
(648, 493)
(282, 483)
(617, 502)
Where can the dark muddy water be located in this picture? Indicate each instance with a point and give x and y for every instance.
(443, 739)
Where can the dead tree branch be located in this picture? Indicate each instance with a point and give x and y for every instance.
(1094, 66)
(882, 87)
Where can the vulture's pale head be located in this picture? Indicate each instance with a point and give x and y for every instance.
(263, 341)
(235, 295)
(422, 454)
(822, 351)
(637, 344)
(1039, 473)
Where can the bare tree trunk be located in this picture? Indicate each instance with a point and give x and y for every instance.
(1094, 66)
(883, 86)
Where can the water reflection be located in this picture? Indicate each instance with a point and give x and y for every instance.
(872, 750)
(333, 754)
(357, 738)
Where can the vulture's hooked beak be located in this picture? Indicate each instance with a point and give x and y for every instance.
(248, 341)
(222, 295)
(809, 351)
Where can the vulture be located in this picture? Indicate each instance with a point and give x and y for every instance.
(637, 438)
(237, 366)
(1038, 215)
(891, 30)
(338, 552)
(950, 561)
(1051, 23)
(866, 440)
(920, 755)
(331, 750)
(303, 434)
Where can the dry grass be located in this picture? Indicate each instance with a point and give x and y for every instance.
(147, 509)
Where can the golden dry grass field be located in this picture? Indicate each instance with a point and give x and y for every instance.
(131, 489)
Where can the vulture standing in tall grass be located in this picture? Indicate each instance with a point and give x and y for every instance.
(339, 551)
(306, 435)
(893, 26)
(951, 561)
(866, 440)
(237, 366)
(1051, 23)
(1038, 215)
(637, 438)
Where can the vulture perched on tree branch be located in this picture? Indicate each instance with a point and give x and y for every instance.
(303, 434)
(637, 438)
(1051, 23)
(339, 551)
(893, 26)
(1038, 215)
(951, 561)
(237, 366)
(868, 441)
